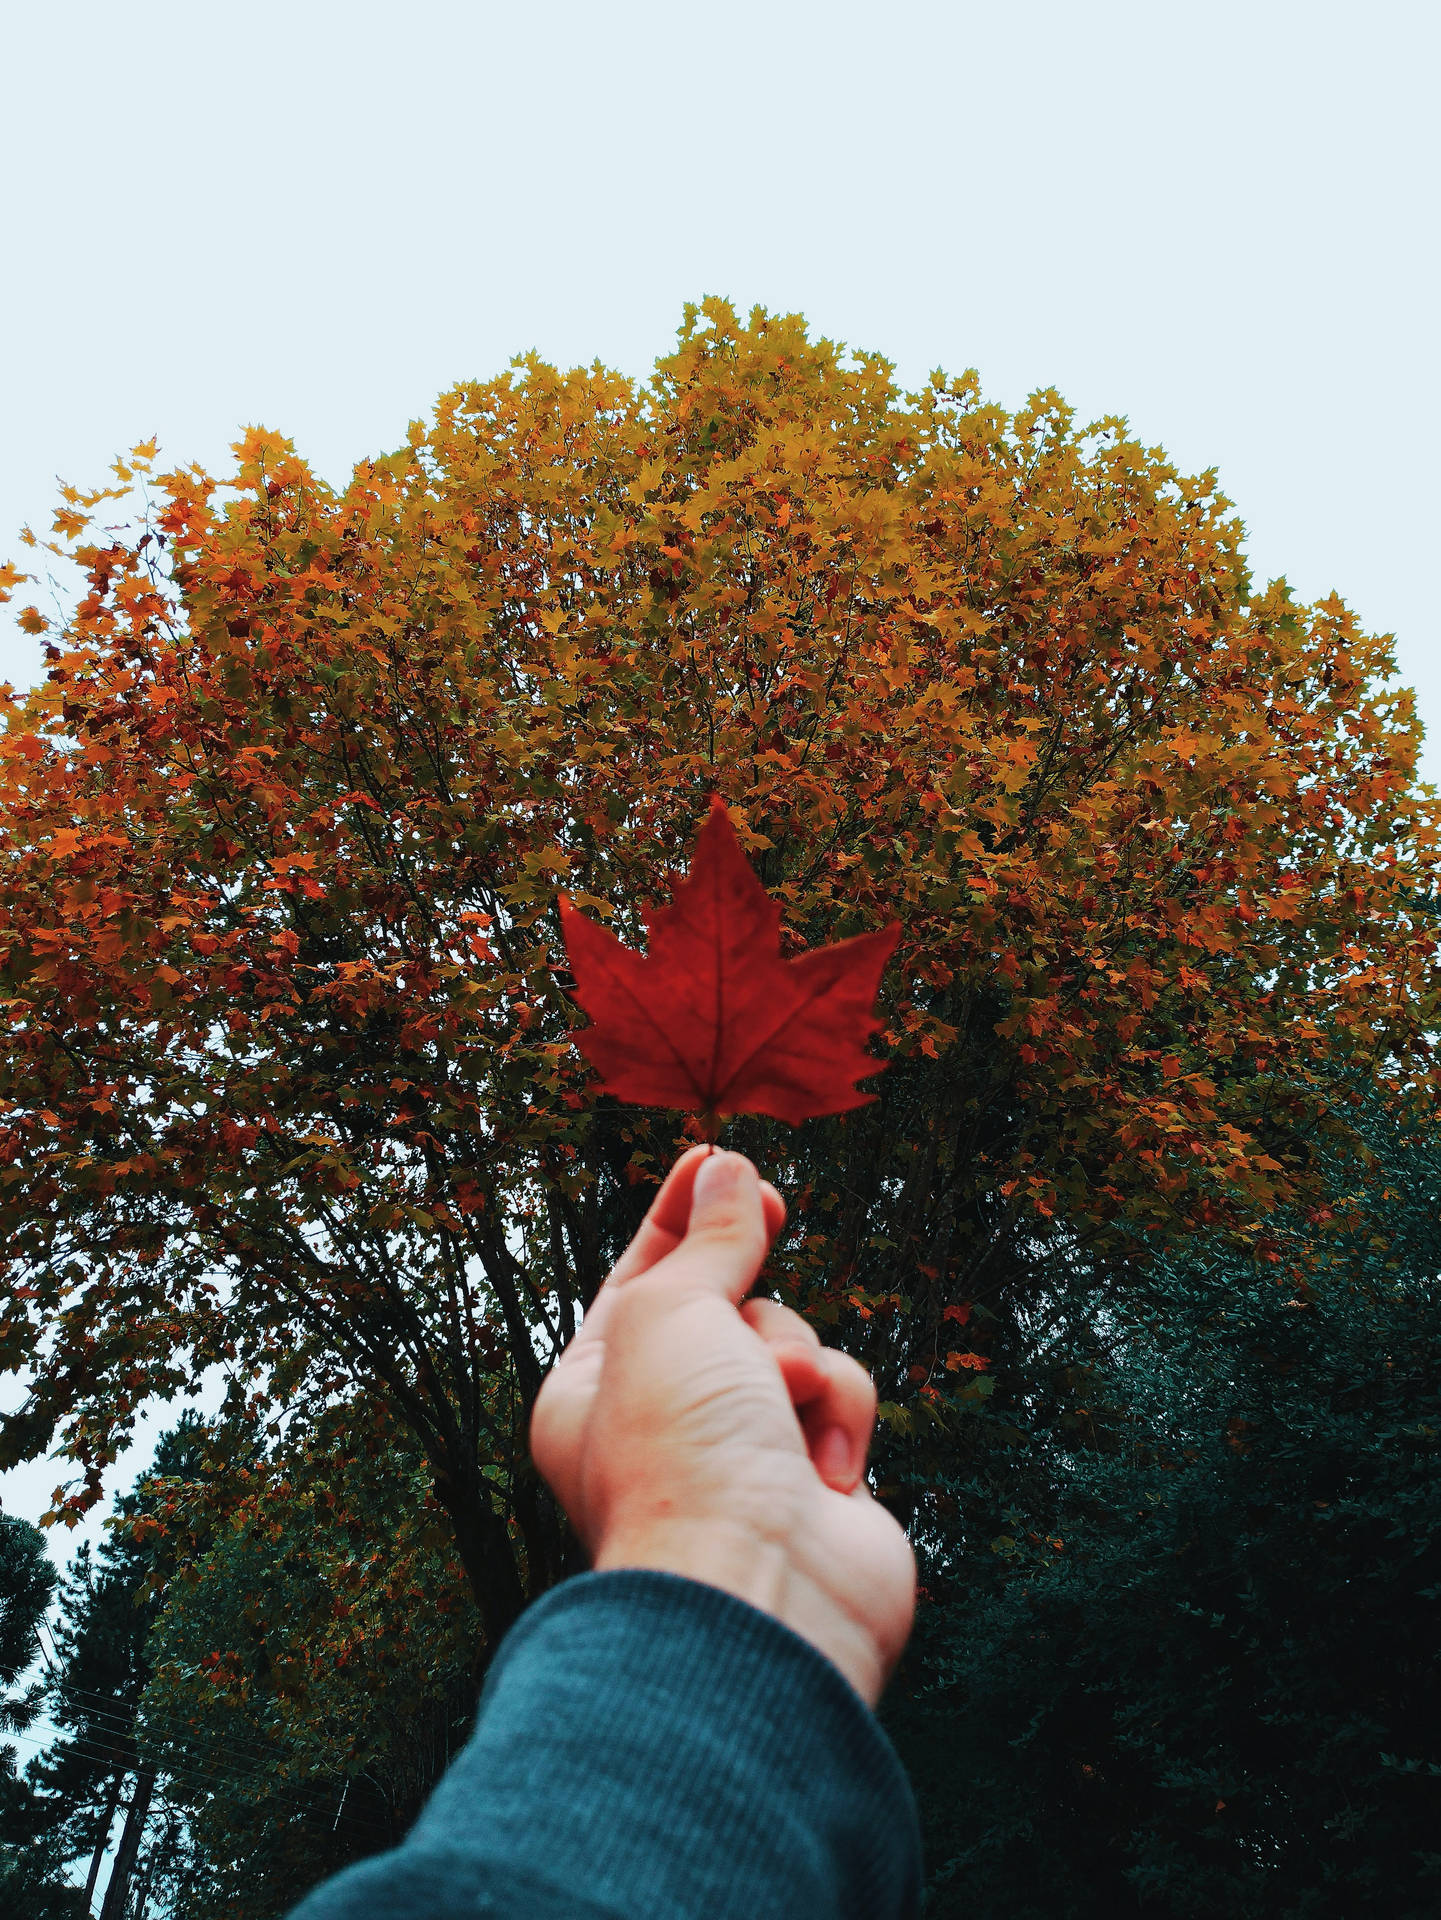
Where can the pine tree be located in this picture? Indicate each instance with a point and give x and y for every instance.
(96, 1773)
(31, 1884)
(1178, 1655)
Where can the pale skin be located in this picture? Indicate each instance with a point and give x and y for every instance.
(691, 1430)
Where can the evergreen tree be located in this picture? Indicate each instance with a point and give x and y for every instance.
(1180, 1651)
(95, 1774)
(261, 1673)
(90, 1772)
(27, 1580)
(316, 1659)
(31, 1885)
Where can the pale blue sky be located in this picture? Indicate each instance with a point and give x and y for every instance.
(1219, 219)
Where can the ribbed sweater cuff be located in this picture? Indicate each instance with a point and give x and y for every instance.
(673, 1751)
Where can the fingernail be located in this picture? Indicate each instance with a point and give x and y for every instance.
(720, 1174)
(834, 1460)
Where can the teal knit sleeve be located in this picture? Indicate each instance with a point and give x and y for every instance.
(652, 1748)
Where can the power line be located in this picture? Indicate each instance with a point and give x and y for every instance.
(109, 1741)
(256, 1750)
(158, 1797)
(161, 1803)
(114, 1758)
(240, 1761)
(110, 1707)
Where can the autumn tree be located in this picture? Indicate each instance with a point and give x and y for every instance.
(290, 1086)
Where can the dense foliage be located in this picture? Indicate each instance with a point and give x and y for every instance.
(1181, 1658)
(289, 1083)
(289, 1089)
(31, 1886)
(315, 1662)
(95, 1791)
(259, 1677)
(27, 1581)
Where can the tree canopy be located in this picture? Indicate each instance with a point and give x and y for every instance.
(314, 1661)
(1178, 1653)
(27, 1580)
(290, 1086)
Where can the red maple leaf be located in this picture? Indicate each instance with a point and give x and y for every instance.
(712, 1019)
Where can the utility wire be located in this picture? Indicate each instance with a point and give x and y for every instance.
(112, 1744)
(161, 1804)
(170, 1725)
(201, 1783)
(201, 1780)
(245, 1762)
(256, 1750)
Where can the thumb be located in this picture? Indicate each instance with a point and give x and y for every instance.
(726, 1238)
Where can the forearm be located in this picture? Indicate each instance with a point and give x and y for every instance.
(655, 1748)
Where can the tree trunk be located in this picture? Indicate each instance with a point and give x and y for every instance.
(103, 1841)
(486, 1553)
(136, 1815)
(157, 1857)
(551, 1549)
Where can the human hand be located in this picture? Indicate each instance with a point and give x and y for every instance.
(692, 1431)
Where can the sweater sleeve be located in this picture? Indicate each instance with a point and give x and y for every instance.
(652, 1748)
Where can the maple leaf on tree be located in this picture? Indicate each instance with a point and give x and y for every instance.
(712, 1019)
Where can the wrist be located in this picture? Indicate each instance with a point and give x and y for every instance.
(763, 1571)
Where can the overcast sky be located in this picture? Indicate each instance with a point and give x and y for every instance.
(1219, 219)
